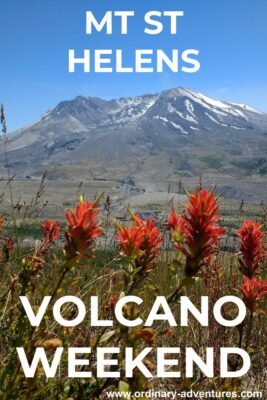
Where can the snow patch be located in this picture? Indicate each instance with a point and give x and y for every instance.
(221, 113)
(236, 127)
(179, 128)
(189, 106)
(212, 119)
(176, 126)
(248, 108)
(170, 108)
(187, 117)
(241, 114)
(216, 106)
(161, 118)
(131, 108)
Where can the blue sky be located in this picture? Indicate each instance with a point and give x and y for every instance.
(35, 36)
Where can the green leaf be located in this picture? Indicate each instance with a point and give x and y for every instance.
(123, 387)
(66, 389)
(107, 336)
(151, 286)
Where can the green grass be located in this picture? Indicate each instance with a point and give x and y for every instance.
(32, 230)
(212, 162)
(252, 166)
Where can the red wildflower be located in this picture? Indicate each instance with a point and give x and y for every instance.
(83, 228)
(140, 241)
(152, 236)
(51, 231)
(198, 231)
(173, 220)
(253, 291)
(130, 240)
(177, 226)
(252, 247)
(1, 223)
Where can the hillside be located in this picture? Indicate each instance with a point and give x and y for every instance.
(152, 138)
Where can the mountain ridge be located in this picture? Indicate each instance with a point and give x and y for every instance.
(154, 137)
(101, 101)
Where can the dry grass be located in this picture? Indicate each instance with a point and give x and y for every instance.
(103, 275)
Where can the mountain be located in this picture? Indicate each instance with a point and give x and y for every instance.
(153, 138)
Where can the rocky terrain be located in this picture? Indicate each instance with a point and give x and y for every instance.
(149, 141)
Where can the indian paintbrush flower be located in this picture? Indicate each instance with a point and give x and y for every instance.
(152, 239)
(141, 241)
(130, 240)
(251, 247)
(51, 231)
(83, 228)
(176, 224)
(196, 233)
(253, 291)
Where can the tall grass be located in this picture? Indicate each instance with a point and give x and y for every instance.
(105, 272)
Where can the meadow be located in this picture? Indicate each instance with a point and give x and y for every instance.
(188, 250)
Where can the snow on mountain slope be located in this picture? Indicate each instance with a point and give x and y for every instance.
(125, 136)
(247, 108)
